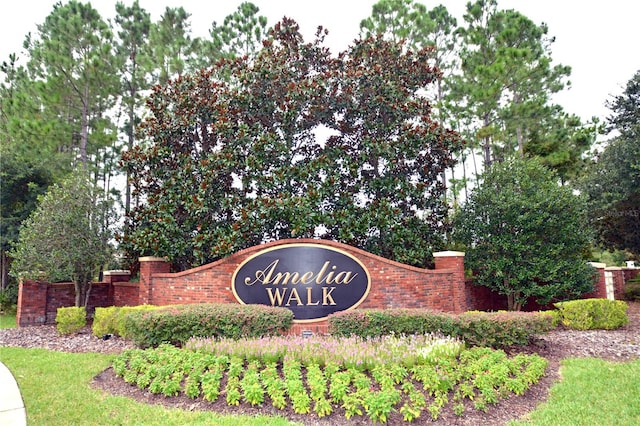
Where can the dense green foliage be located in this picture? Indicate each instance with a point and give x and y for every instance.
(67, 237)
(502, 97)
(612, 183)
(235, 163)
(178, 323)
(480, 376)
(71, 320)
(498, 330)
(590, 314)
(290, 141)
(526, 236)
(632, 289)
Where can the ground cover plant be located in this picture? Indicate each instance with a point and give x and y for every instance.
(56, 390)
(415, 375)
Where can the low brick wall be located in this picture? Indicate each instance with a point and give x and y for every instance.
(393, 285)
(38, 302)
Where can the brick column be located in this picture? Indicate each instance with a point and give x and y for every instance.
(454, 260)
(114, 276)
(150, 265)
(600, 288)
(618, 281)
(32, 303)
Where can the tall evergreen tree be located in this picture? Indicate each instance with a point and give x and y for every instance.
(507, 77)
(72, 58)
(171, 44)
(132, 48)
(612, 183)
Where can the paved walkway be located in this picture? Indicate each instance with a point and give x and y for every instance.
(12, 412)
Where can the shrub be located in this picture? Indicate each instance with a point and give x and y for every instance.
(70, 320)
(177, 324)
(111, 320)
(496, 330)
(103, 320)
(554, 314)
(632, 290)
(8, 297)
(591, 314)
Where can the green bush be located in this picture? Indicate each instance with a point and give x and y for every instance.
(593, 314)
(177, 324)
(8, 298)
(103, 321)
(111, 320)
(554, 314)
(70, 320)
(632, 290)
(498, 330)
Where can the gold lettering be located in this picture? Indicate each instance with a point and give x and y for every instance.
(263, 277)
(306, 278)
(326, 275)
(326, 295)
(309, 302)
(277, 297)
(294, 295)
(320, 276)
(344, 277)
(330, 275)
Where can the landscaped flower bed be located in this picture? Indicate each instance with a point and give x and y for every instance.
(415, 375)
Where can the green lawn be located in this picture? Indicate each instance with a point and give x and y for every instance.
(592, 392)
(56, 391)
(8, 320)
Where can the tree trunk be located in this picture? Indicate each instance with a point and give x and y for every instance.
(84, 131)
(3, 270)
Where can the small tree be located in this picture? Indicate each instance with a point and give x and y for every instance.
(526, 235)
(66, 237)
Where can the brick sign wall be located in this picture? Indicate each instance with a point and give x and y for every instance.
(392, 285)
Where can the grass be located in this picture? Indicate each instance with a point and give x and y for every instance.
(55, 390)
(592, 392)
(8, 320)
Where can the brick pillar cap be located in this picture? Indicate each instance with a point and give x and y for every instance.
(613, 268)
(152, 259)
(448, 254)
(598, 265)
(117, 272)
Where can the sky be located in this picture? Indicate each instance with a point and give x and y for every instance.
(597, 39)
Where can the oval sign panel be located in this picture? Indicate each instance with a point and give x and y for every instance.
(310, 279)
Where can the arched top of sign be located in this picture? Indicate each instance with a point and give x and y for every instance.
(312, 280)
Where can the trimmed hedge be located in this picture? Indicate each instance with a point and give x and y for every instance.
(178, 323)
(111, 320)
(593, 314)
(496, 330)
(70, 320)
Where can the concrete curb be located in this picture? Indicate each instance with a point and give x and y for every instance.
(12, 411)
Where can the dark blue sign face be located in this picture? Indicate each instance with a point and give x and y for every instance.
(310, 279)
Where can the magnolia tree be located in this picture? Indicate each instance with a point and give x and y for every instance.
(66, 238)
(294, 142)
(527, 236)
